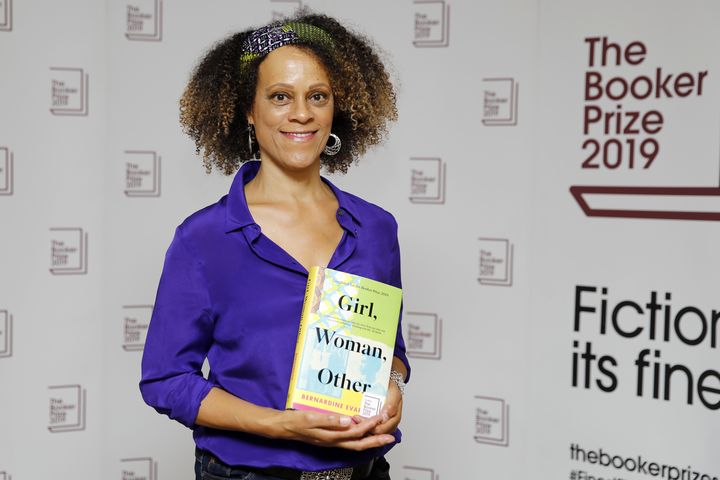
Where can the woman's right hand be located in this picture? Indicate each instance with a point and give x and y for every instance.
(328, 430)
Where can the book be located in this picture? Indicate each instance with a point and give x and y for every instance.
(345, 344)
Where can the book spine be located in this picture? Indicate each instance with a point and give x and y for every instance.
(302, 329)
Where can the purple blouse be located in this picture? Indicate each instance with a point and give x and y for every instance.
(229, 293)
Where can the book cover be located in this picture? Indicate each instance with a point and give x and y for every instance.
(345, 344)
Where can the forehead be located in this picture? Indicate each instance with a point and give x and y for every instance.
(293, 65)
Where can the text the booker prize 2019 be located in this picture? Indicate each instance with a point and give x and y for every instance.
(616, 133)
(656, 320)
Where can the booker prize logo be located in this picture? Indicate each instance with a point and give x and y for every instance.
(500, 102)
(136, 320)
(6, 171)
(284, 8)
(419, 473)
(6, 334)
(432, 23)
(492, 421)
(67, 408)
(423, 335)
(68, 251)
(622, 117)
(427, 180)
(6, 18)
(142, 173)
(69, 89)
(144, 20)
(143, 468)
(496, 262)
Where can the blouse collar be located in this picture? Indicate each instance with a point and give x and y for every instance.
(238, 213)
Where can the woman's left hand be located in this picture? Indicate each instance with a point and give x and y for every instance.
(391, 412)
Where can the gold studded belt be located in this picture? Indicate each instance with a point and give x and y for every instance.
(332, 474)
(359, 472)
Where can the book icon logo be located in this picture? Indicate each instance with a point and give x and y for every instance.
(6, 334)
(6, 18)
(143, 468)
(423, 335)
(6, 171)
(427, 180)
(496, 261)
(144, 20)
(419, 473)
(284, 8)
(136, 320)
(668, 203)
(492, 421)
(69, 89)
(142, 173)
(432, 23)
(67, 408)
(68, 251)
(500, 102)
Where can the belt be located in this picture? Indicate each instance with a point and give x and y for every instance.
(358, 472)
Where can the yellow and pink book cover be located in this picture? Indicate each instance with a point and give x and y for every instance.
(345, 344)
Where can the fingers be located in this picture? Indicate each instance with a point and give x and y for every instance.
(353, 433)
(359, 428)
(372, 441)
(357, 437)
(391, 414)
(391, 419)
(333, 422)
(386, 427)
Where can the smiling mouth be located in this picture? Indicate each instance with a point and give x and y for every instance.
(300, 136)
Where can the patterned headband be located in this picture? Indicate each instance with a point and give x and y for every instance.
(266, 39)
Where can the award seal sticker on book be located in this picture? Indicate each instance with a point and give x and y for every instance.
(345, 344)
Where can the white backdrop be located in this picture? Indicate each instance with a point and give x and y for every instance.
(498, 252)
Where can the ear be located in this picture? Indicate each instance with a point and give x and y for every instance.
(250, 119)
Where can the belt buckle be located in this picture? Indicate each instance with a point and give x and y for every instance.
(344, 473)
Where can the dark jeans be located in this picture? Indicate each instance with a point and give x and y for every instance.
(209, 467)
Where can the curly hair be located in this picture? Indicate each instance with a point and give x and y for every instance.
(221, 91)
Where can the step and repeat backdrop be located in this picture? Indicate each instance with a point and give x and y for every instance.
(555, 172)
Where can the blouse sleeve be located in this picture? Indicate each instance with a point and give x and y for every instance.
(179, 336)
(396, 280)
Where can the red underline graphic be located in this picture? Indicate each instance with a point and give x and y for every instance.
(672, 203)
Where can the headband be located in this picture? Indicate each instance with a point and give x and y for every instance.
(266, 39)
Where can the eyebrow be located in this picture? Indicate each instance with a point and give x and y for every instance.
(288, 86)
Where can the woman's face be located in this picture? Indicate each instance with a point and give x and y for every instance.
(293, 108)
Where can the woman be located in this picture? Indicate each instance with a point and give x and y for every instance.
(299, 94)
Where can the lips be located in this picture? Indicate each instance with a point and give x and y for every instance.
(300, 136)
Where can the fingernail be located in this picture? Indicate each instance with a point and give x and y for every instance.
(345, 421)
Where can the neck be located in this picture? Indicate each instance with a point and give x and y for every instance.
(274, 183)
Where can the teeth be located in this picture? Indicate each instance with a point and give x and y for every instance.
(299, 135)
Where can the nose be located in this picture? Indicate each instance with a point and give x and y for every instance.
(300, 112)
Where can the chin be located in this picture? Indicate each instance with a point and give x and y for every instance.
(300, 162)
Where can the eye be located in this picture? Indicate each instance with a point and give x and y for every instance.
(319, 97)
(280, 98)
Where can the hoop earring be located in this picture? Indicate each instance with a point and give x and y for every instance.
(333, 149)
(252, 140)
